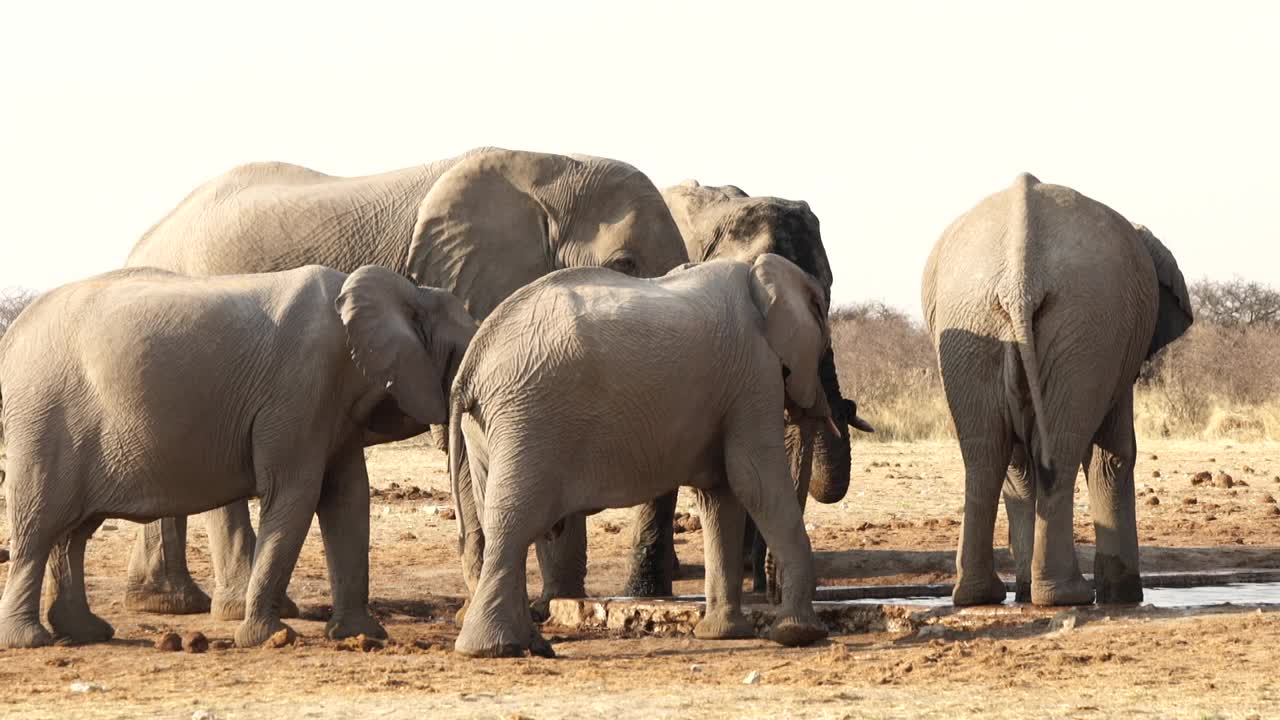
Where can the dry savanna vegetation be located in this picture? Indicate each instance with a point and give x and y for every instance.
(1208, 478)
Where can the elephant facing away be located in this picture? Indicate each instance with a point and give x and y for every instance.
(1043, 304)
(479, 225)
(588, 390)
(142, 393)
(725, 222)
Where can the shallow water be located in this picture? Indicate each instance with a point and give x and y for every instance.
(1234, 593)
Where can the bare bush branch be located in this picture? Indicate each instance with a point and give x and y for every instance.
(12, 302)
(1236, 302)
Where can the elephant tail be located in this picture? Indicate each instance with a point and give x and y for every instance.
(1038, 446)
(456, 458)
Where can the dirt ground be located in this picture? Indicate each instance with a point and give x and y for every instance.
(898, 524)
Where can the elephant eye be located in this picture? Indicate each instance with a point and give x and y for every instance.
(624, 265)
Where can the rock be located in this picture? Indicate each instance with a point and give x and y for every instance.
(1154, 456)
(1189, 501)
(1153, 500)
(1242, 483)
(1155, 473)
(752, 678)
(359, 643)
(1223, 480)
(695, 668)
(196, 643)
(1246, 470)
(1201, 477)
(408, 536)
(169, 642)
(1266, 499)
(283, 638)
(684, 522)
(424, 644)
(446, 512)
(221, 644)
(4, 555)
(611, 528)
(86, 687)
(203, 715)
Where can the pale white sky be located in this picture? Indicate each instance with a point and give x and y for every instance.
(890, 118)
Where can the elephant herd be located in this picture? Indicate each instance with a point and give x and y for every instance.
(575, 339)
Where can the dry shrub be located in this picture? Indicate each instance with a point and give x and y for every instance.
(887, 364)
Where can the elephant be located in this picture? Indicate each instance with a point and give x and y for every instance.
(588, 390)
(142, 393)
(725, 222)
(1043, 304)
(479, 225)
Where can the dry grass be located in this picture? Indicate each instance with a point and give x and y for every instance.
(1216, 382)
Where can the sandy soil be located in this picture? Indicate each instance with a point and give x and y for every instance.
(899, 524)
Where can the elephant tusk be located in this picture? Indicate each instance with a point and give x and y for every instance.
(831, 425)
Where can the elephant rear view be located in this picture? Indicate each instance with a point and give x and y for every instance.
(1043, 304)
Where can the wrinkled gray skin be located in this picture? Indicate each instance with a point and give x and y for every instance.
(1043, 304)
(479, 225)
(142, 393)
(725, 222)
(588, 390)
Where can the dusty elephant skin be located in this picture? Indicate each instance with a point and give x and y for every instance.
(588, 390)
(1043, 304)
(725, 222)
(479, 225)
(142, 393)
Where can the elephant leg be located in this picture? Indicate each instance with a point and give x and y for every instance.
(231, 542)
(754, 542)
(723, 522)
(344, 526)
(158, 578)
(563, 562)
(769, 565)
(986, 460)
(31, 539)
(68, 606)
(498, 622)
(1109, 473)
(1020, 508)
(653, 548)
(289, 500)
(1055, 571)
(758, 476)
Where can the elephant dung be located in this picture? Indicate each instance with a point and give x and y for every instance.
(4, 555)
(196, 642)
(169, 642)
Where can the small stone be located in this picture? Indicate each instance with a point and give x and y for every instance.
(109, 528)
(424, 644)
(221, 644)
(1265, 499)
(695, 668)
(203, 715)
(1153, 500)
(752, 678)
(1241, 483)
(4, 555)
(195, 643)
(446, 512)
(684, 522)
(1155, 473)
(282, 638)
(1246, 470)
(1271, 510)
(359, 643)
(408, 536)
(86, 687)
(1154, 456)
(1064, 621)
(1189, 501)
(169, 642)
(611, 528)
(1201, 477)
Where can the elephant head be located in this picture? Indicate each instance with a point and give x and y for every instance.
(795, 326)
(408, 341)
(725, 221)
(499, 219)
(1174, 315)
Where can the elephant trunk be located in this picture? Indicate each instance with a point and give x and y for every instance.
(821, 462)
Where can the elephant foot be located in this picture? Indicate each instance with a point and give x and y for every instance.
(23, 634)
(253, 634)
(81, 627)
(478, 643)
(724, 625)
(794, 631)
(340, 627)
(651, 574)
(1071, 592)
(230, 605)
(185, 598)
(1022, 592)
(539, 647)
(1117, 583)
(990, 591)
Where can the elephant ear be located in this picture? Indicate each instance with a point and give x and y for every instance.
(795, 320)
(481, 227)
(406, 339)
(1174, 315)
